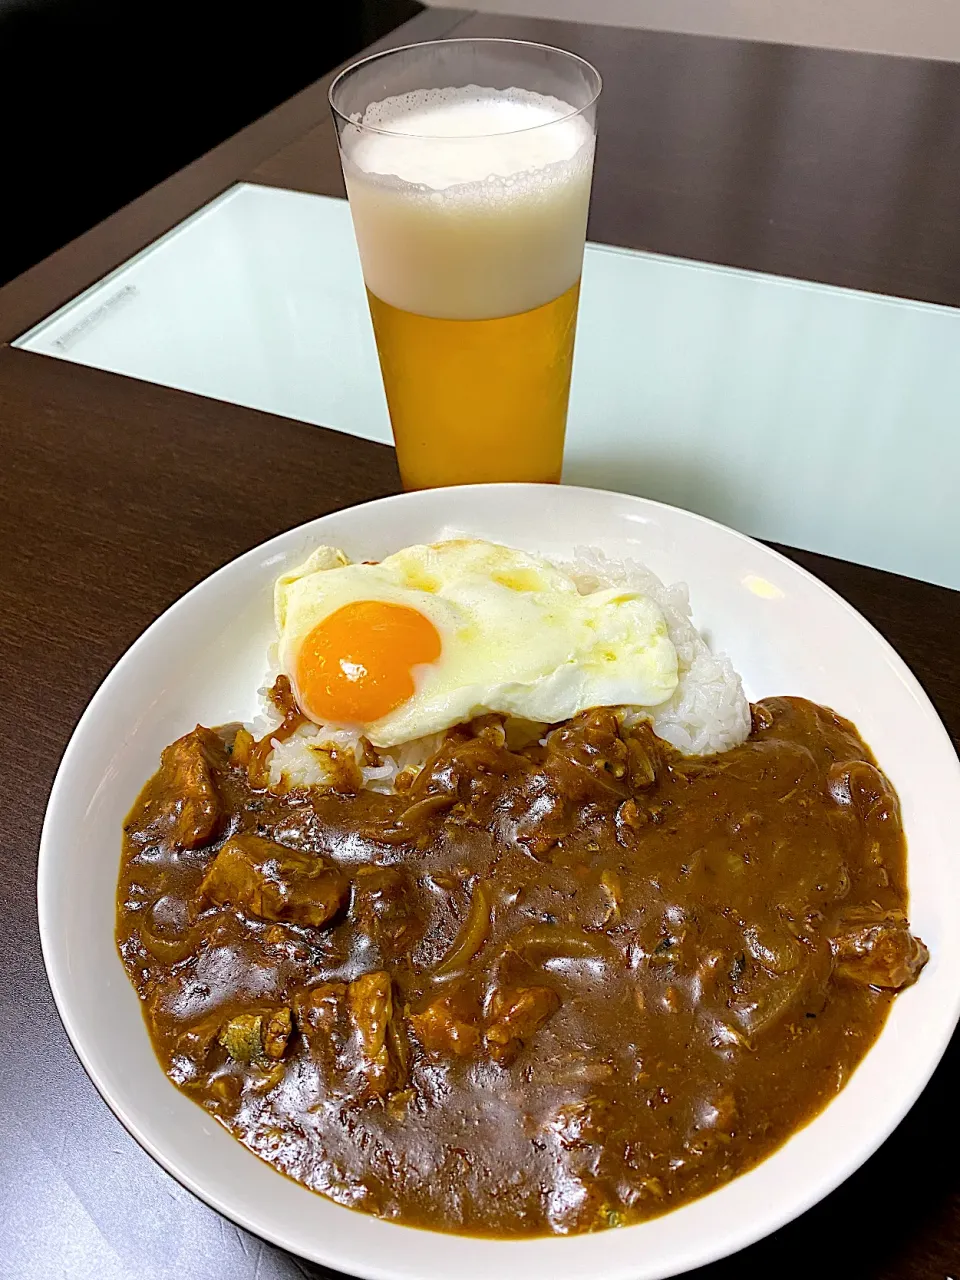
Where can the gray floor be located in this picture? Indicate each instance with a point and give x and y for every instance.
(916, 28)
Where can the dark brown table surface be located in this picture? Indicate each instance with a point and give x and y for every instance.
(117, 496)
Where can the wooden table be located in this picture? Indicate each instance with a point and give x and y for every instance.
(118, 496)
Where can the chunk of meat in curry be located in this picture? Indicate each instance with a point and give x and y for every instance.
(538, 990)
(265, 879)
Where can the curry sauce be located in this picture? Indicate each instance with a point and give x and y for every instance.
(539, 989)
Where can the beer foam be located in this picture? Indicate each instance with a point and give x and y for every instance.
(469, 203)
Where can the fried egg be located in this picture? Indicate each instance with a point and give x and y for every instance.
(434, 635)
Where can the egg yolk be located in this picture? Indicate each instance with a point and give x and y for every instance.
(355, 666)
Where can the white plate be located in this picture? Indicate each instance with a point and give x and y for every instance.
(203, 660)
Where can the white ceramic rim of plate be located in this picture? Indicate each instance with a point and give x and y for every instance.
(695, 1234)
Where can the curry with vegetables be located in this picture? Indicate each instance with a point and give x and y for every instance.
(538, 988)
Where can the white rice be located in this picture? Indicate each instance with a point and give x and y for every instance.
(708, 712)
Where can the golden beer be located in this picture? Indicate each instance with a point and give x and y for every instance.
(470, 209)
(476, 400)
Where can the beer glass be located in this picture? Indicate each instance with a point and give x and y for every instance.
(468, 165)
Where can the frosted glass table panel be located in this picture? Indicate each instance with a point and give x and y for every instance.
(820, 417)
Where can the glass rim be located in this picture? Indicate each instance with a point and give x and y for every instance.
(462, 40)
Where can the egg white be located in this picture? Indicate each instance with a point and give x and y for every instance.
(517, 636)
